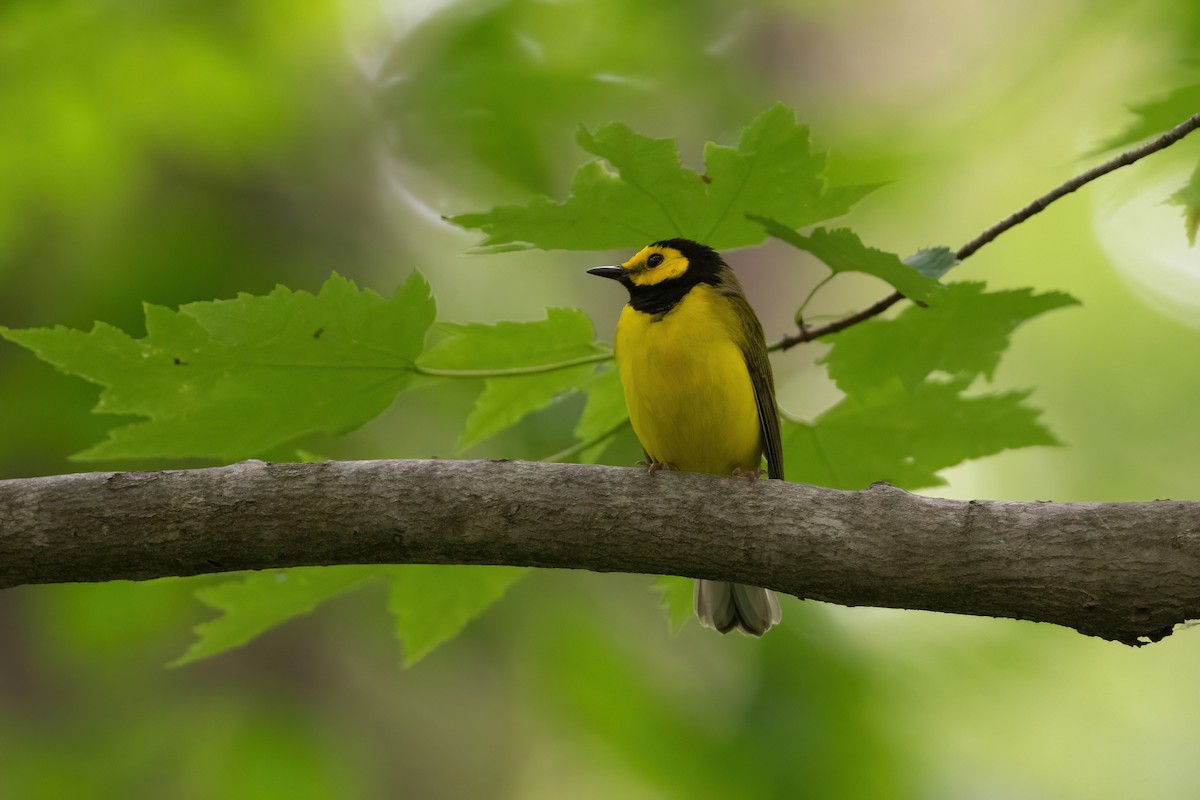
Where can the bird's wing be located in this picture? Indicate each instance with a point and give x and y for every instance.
(754, 350)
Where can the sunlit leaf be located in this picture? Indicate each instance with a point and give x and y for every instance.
(233, 378)
(651, 196)
(260, 601)
(506, 401)
(676, 596)
(432, 603)
(605, 407)
(565, 334)
(565, 339)
(1189, 198)
(1156, 116)
(603, 413)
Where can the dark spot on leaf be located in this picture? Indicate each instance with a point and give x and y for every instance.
(317, 333)
(706, 179)
(179, 362)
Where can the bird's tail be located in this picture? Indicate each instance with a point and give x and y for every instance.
(724, 606)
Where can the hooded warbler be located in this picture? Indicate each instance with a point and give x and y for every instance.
(698, 385)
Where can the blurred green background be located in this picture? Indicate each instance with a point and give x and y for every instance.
(183, 151)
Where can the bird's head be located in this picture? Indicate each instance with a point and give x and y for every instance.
(672, 264)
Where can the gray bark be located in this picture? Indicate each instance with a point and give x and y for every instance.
(1123, 571)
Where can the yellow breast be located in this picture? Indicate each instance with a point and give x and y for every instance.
(689, 393)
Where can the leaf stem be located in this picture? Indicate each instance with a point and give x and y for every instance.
(806, 334)
(579, 447)
(512, 372)
(813, 293)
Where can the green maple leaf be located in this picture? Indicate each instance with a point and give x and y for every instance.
(675, 595)
(932, 262)
(1189, 198)
(229, 379)
(651, 196)
(603, 416)
(906, 414)
(530, 364)
(963, 336)
(1156, 116)
(906, 434)
(433, 603)
(258, 601)
(842, 251)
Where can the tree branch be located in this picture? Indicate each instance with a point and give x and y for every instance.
(1122, 571)
(806, 334)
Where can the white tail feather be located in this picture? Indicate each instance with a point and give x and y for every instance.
(724, 606)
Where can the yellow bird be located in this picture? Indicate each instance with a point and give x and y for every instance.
(698, 385)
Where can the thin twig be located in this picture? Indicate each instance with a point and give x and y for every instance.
(807, 334)
(1125, 159)
(1169, 138)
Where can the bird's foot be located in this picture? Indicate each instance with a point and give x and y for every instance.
(655, 466)
(748, 474)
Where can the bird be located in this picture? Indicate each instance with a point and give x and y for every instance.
(698, 386)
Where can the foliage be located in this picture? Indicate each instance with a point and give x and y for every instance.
(233, 379)
(1154, 117)
(1189, 198)
(230, 379)
(651, 196)
(531, 364)
(432, 603)
(262, 600)
(184, 151)
(500, 87)
(842, 251)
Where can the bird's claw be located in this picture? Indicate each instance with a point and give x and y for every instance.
(748, 474)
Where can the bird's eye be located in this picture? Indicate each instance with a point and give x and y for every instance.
(654, 260)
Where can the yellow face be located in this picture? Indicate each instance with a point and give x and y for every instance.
(654, 264)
